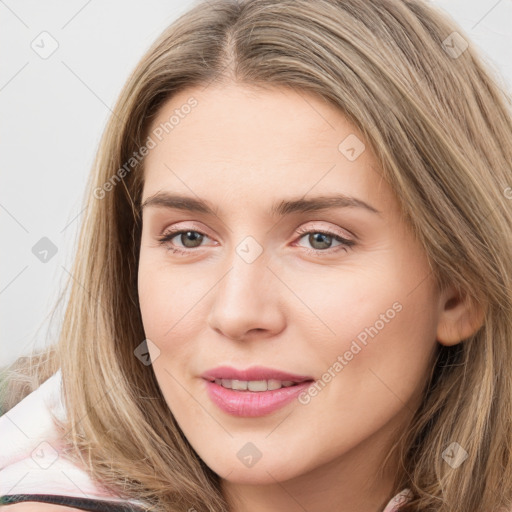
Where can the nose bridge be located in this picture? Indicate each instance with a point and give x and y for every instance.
(246, 282)
(246, 297)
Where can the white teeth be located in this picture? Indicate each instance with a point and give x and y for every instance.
(239, 385)
(254, 385)
(273, 384)
(257, 385)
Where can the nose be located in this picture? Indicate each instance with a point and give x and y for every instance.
(247, 301)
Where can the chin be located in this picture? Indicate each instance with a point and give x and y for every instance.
(261, 473)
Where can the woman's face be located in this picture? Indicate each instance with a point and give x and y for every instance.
(300, 264)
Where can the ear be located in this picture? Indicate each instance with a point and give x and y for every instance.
(460, 316)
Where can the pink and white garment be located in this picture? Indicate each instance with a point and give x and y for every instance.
(33, 466)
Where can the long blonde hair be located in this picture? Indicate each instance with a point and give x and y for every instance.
(439, 123)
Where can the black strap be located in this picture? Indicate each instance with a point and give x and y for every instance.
(71, 501)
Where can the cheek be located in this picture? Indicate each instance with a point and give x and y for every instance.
(380, 359)
(166, 298)
(372, 333)
(351, 304)
(156, 299)
(174, 308)
(167, 302)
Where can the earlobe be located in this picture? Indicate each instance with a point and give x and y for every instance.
(460, 317)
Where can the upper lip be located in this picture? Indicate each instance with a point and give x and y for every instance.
(253, 373)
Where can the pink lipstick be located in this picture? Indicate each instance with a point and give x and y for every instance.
(253, 392)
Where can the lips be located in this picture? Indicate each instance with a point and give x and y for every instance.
(257, 391)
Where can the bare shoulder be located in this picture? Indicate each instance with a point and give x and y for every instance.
(34, 506)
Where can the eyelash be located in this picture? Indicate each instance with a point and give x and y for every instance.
(345, 244)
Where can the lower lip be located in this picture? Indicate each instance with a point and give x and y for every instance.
(253, 403)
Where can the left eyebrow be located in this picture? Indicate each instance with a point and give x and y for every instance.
(282, 208)
(320, 203)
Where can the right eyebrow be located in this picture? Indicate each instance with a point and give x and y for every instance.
(166, 200)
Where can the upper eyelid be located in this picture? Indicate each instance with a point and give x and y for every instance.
(190, 227)
(174, 231)
(308, 217)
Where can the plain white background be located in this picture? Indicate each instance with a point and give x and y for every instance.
(54, 111)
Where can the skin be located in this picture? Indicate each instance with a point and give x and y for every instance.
(242, 149)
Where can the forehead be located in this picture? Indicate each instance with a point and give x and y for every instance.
(243, 117)
(239, 139)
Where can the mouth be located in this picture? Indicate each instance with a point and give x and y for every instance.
(257, 386)
(257, 391)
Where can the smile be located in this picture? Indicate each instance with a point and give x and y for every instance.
(254, 385)
(253, 392)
